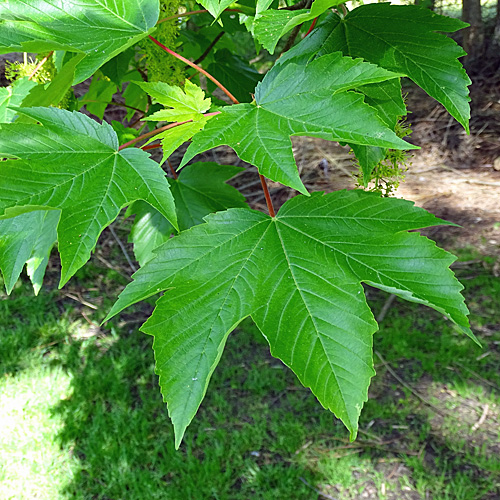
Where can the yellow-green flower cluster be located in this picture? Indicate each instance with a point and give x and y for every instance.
(161, 66)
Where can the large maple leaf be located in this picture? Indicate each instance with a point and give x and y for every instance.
(403, 39)
(313, 100)
(299, 276)
(72, 163)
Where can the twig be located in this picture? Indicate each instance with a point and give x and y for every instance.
(291, 38)
(196, 67)
(112, 103)
(209, 48)
(82, 301)
(40, 64)
(472, 372)
(172, 169)
(473, 181)
(150, 146)
(123, 249)
(269, 202)
(481, 420)
(320, 493)
(150, 134)
(413, 391)
(158, 130)
(110, 266)
(385, 308)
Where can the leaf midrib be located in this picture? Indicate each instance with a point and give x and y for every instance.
(319, 336)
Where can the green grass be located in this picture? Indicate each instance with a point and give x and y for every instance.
(81, 415)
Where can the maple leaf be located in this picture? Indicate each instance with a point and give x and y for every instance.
(313, 100)
(72, 163)
(400, 38)
(186, 105)
(27, 239)
(299, 276)
(271, 25)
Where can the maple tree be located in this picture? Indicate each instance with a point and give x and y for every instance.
(298, 273)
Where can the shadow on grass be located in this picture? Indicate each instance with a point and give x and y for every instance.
(259, 434)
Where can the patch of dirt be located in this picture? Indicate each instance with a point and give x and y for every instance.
(476, 423)
(391, 481)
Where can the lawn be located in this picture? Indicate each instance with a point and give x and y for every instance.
(81, 415)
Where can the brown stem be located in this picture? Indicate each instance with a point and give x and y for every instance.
(197, 68)
(209, 48)
(269, 202)
(150, 134)
(40, 64)
(291, 38)
(172, 169)
(192, 13)
(150, 146)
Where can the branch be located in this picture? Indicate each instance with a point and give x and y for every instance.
(209, 48)
(313, 24)
(197, 68)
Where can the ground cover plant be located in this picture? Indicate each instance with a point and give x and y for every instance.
(299, 272)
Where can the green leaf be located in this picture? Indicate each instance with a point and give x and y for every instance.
(134, 96)
(72, 163)
(13, 96)
(172, 138)
(234, 74)
(387, 99)
(402, 38)
(187, 104)
(100, 29)
(123, 133)
(199, 190)
(99, 95)
(149, 231)
(310, 100)
(27, 239)
(270, 26)
(262, 5)
(299, 277)
(117, 68)
(368, 157)
(183, 105)
(215, 7)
